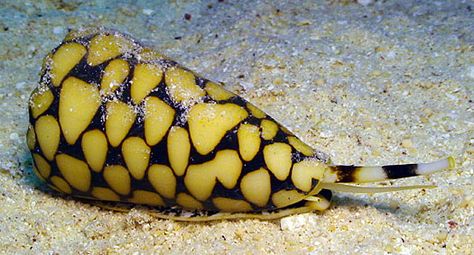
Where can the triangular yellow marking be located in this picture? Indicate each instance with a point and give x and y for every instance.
(78, 104)
(208, 123)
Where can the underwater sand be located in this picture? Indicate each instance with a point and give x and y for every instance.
(386, 83)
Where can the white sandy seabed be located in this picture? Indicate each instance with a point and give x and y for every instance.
(384, 83)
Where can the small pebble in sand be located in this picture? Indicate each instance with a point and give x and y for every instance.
(365, 2)
(14, 136)
(58, 30)
(391, 55)
(293, 222)
(147, 12)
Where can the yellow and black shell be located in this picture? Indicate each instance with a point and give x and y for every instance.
(112, 120)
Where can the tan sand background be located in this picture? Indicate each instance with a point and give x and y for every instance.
(384, 83)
